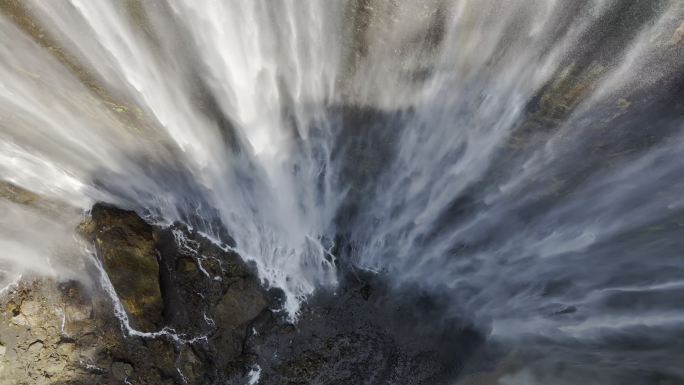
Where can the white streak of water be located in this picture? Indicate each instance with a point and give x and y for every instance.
(522, 156)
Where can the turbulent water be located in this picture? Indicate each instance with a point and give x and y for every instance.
(521, 157)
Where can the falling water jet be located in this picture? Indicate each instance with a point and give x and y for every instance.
(483, 152)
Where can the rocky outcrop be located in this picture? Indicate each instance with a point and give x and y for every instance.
(189, 303)
(364, 333)
(126, 246)
(199, 315)
(66, 333)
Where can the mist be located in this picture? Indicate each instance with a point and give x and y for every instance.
(520, 158)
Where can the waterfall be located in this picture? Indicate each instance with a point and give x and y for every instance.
(522, 157)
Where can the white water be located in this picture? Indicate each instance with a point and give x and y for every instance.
(237, 113)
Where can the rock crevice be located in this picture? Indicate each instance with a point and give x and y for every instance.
(199, 315)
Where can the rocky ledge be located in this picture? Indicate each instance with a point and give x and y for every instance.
(168, 306)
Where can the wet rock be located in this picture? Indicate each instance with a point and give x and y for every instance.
(121, 370)
(364, 333)
(126, 245)
(166, 357)
(190, 366)
(243, 302)
(221, 325)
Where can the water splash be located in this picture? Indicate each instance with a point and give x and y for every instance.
(166, 332)
(254, 375)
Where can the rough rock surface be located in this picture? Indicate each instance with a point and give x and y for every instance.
(364, 333)
(199, 315)
(126, 246)
(171, 283)
(66, 333)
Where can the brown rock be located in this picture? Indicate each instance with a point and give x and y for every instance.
(241, 303)
(126, 245)
(35, 347)
(121, 370)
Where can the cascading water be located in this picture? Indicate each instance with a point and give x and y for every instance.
(521, 157)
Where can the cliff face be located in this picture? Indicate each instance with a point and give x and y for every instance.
(126, 246)
(167, 306)
(70, 332)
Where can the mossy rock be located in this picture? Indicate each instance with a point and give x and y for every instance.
(126, 246)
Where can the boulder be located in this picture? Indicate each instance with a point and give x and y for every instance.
(126, 247)
(243, 302)
(121, 370)
(189, 365)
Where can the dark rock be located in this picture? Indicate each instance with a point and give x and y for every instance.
(121, 370)
(364, 333)
(242, 303)
(220, 323)
(126, 245)
(190, 366)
